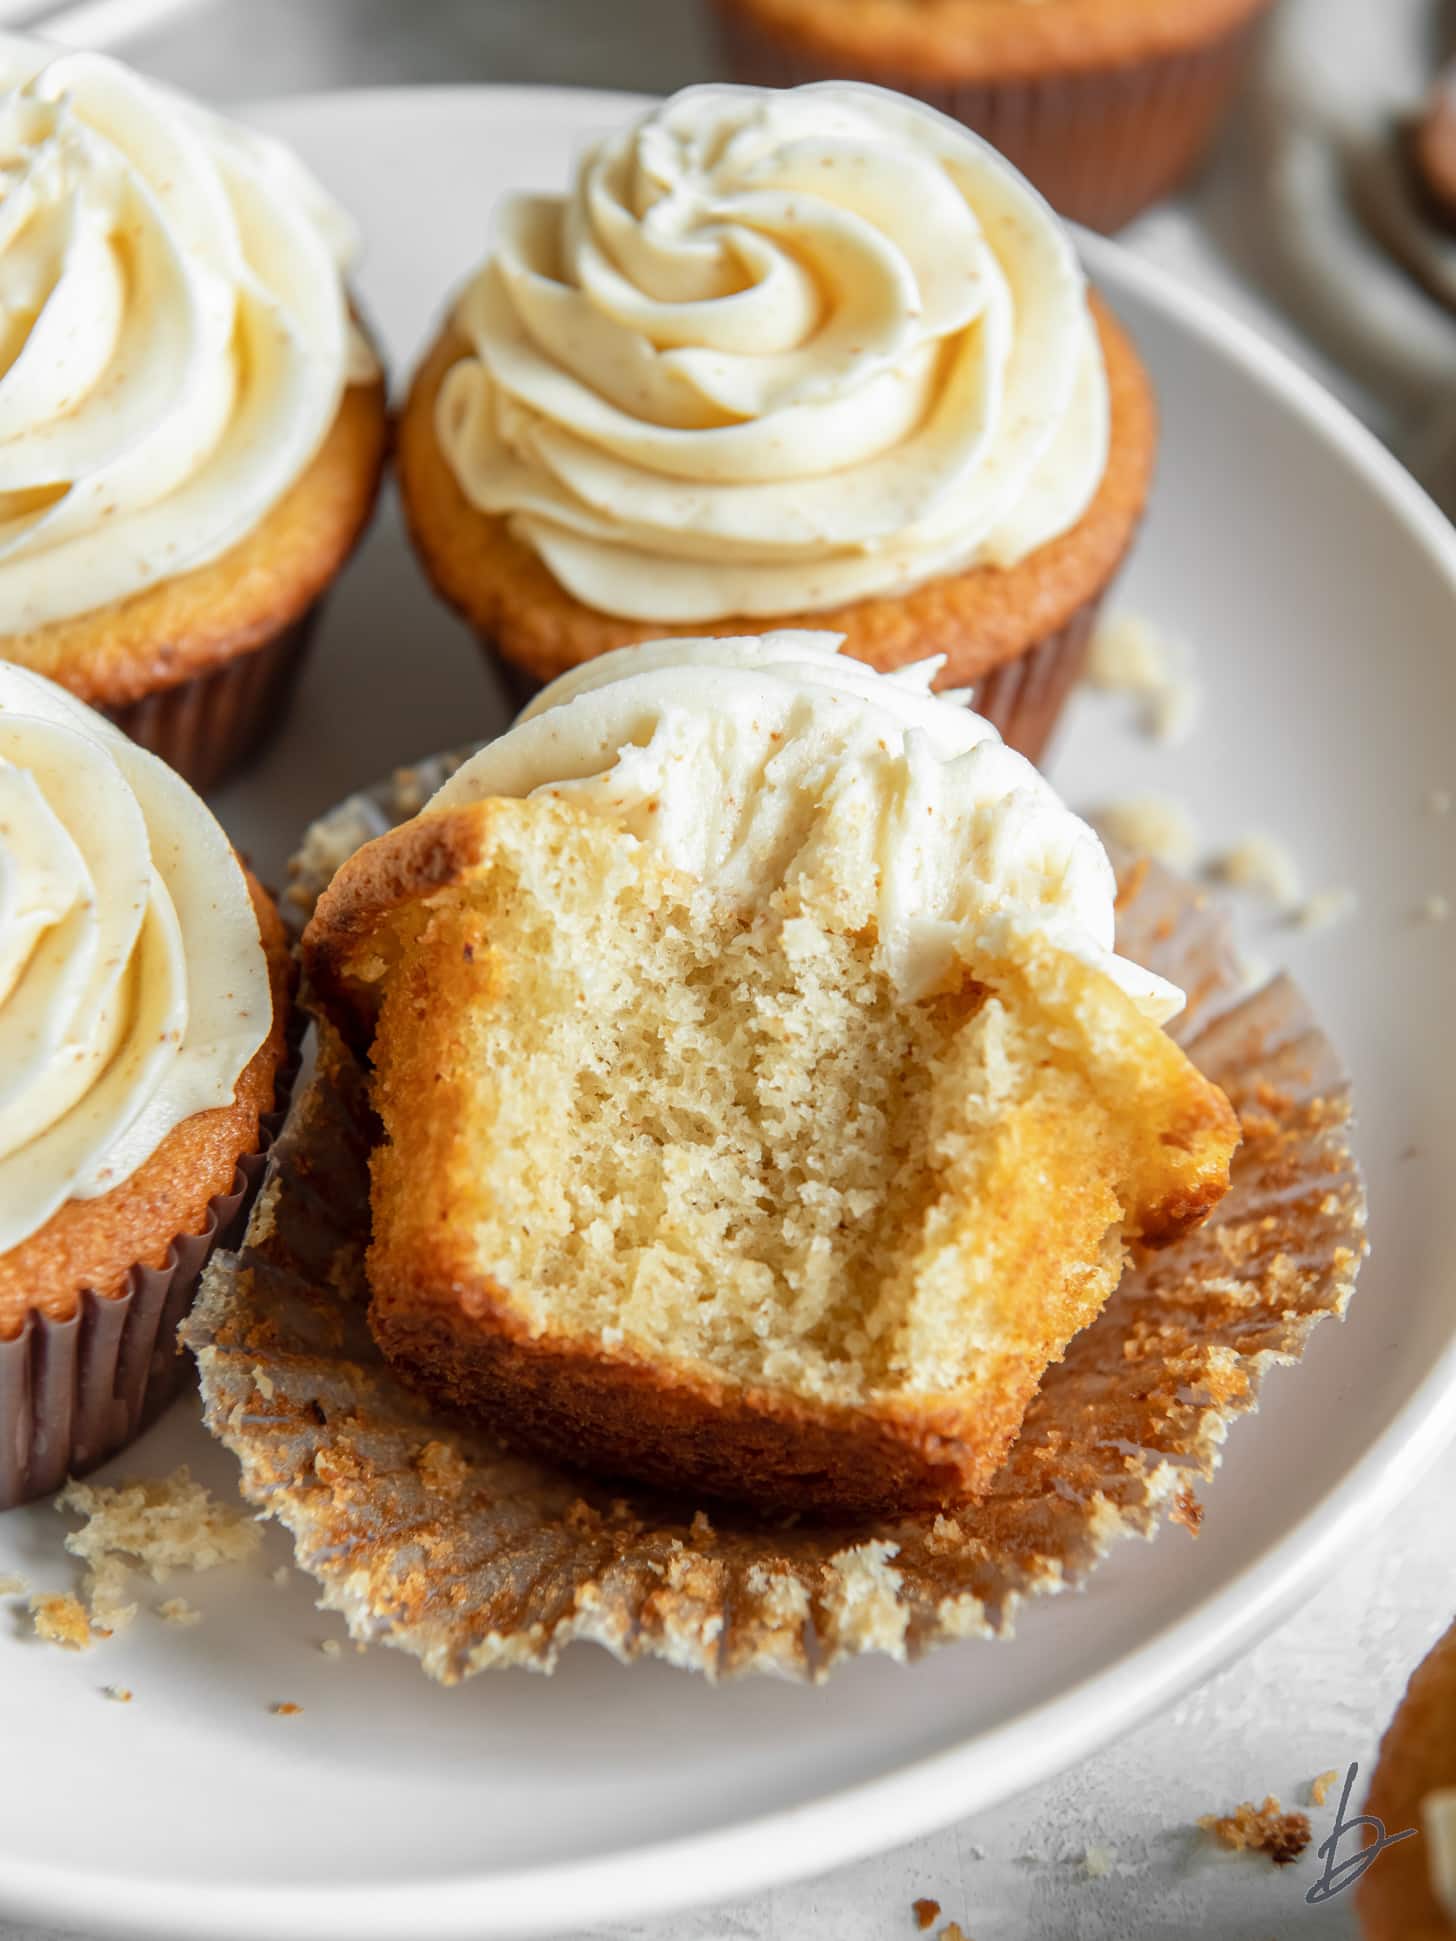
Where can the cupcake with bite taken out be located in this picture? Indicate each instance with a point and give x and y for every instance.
(818, 357)
(192, 426)
(143, 1007)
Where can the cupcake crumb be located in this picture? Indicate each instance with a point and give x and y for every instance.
(1187, 1511)
(953, 1931)
(1436, 908)
(1438, 801)
(1152, 825)
(60, 1619)
(1261, 1829)
(1097, 1862)
(1319, 1789)
(13, 1586)
(177, 1610)
(925, 1911)
(1130, 656)
(1264, 866)
(118, 1694)
(284, 1708)
(331, 1648)
(156, 1526)
(1326, 908)
(280, 1576)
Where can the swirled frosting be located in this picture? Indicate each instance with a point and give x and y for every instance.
(174, 331)
(134, 986)
(775, 761)
(777, 351)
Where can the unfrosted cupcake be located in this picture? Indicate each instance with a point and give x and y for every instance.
(1106, 104)
(143, 1005)
(819, 356)
(192, 427)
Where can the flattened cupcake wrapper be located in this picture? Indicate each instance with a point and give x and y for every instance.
(1101, 145)
(73, 1393)
(430, 1536)
(210, 726)
(1022, 699)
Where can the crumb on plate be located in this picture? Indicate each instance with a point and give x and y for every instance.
(1097, 1861)
(1319, 1789)
(1438, 801)
(156, 1525)
(177, 1610)
(284, 1708)
(118, 1694)
(1263, 865)
(1129, 655)
(1150, 825)
(331, 1648)
(1261, 1829)
(1326, 907)
(1436, 908)
(61, 1619)
(12, 1586)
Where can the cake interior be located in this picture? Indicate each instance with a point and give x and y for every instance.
(722, 1138)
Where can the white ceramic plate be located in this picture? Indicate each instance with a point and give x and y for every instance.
(1320, 591)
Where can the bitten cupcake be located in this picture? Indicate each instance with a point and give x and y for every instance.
(764, 1107)
(192, 427)
(143, 1006)
(1106, 104)
(777, 355)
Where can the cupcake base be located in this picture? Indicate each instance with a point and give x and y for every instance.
(1101, 145)
(211, 725)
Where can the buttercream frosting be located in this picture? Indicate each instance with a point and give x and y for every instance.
(134, 986)
(777, 762)
(174, 331)
(776, 351)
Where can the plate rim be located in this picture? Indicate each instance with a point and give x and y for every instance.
(918, 1795)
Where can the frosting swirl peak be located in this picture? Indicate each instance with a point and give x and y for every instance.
(777, 351)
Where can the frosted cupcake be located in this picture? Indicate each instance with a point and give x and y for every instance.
(1106, 104)
(191, 426)
(820, 355)
(143, 1005)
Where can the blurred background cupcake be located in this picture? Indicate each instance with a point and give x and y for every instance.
(192, 427)
(1106, 105)
(781, 359)
(143, 1009)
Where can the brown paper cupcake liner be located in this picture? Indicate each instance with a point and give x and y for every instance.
(429, 1535)
(1022, 699)
(73, 1393)
(210, 726)
(1100, 145)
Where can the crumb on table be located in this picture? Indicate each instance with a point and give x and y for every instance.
(284, 1708)
(1261, 1829)
(61, 1619)
(925, 1911)
(118, 1694)
(1319, 1789)
(953, 1931)
(331, 1648)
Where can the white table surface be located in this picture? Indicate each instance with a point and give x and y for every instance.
(1319, 1691)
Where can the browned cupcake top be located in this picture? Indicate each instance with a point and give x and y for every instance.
(990, 40)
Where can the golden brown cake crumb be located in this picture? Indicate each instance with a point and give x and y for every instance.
(1261, 1829)
(953, 1931)
(61, 1619)
(1187, 1511)
(157, 1525)
(118, 1694)
(177, 1610)
(925, 1911)
(1319, 1789)
(285, 1709)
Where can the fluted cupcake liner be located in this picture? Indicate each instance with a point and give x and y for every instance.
(1101, 145)
(74, 1392)
(1022, 699)
(211, 725)
(431, 1536)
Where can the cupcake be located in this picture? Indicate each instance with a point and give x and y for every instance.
(1106, 105)
(192, 426)
(763, 1105)
(143, 1006)
(820, 354)
(1409, 1892)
